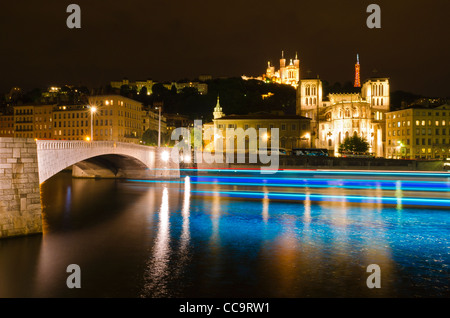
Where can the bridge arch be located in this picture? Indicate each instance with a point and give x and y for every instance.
(55, 156)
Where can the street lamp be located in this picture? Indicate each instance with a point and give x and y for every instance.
(159, 126)
(93, 110)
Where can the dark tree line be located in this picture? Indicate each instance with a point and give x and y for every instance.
(237, 96)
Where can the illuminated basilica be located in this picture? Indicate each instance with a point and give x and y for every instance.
(288, 74)
(338, 116)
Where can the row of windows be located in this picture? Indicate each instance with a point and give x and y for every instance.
(24, 112)
(40, 127)
(378, 101)
(24, 135)
(423, 132)
(419, 113)
(80, 123)
(292, 74)
(418, 150)
(310, 101)
(292, 127)
(310, 90)
(24, 119)
(377, 90)
(419, 141)
(120, 103)
(419, 122)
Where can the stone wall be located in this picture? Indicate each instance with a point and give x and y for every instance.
(20, 202)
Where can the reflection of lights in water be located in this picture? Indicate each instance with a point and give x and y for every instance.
(399, 194)
(158, 274)
(68, 198)
(265, 212)
(185, 235)
(215, 217)
(162, 240)
(307, 213)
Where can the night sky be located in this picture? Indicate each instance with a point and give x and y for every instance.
(171, 40)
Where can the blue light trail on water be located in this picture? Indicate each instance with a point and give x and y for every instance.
(330, 172)
(322, 197)
(422, 201)
(405, 185)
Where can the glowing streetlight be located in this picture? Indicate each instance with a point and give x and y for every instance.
(93, 110)
(187, 158)
(165, 156)
(159, 126)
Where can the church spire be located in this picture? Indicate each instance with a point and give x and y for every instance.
(218, 110)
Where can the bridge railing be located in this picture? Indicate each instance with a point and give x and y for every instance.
(81, 144)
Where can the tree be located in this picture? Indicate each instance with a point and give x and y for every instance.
(354, 144)
(150, 138)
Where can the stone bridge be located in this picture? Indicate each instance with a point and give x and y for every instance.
(26, 163)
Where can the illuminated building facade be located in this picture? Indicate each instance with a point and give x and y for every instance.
(33, 121)
(418, 133)
(140, 84)
(117, 118)
(201, 88)
(343, 115)
(150, 120)
(23, 121)
(288, 74)
(71, 122)
(293, 130)
(7, 125)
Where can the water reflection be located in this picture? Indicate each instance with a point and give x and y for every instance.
(185, 235)
(174, 239)
(157, 276)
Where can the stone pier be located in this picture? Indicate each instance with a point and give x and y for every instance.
(20, 201)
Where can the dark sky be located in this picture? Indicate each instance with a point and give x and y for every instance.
(171, 40)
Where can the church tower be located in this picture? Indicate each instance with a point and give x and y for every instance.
(218, 110)
(282, 72)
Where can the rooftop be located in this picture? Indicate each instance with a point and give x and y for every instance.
(262, 115)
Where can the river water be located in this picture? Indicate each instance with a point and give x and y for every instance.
(197, 238)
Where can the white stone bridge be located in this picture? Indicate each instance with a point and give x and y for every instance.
(26, 163)
(102, 159)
